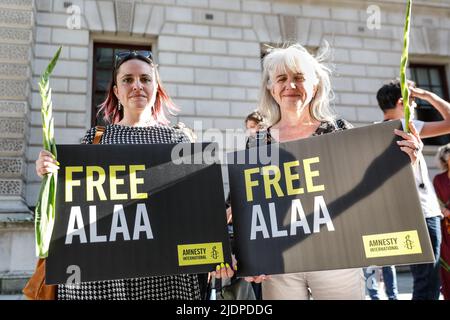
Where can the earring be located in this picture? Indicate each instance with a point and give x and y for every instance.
(119, 106)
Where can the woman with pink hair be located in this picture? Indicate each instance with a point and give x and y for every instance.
(135, 110)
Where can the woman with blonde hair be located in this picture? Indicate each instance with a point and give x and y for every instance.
(295, 102)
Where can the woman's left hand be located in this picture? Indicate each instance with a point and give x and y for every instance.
(411, 144)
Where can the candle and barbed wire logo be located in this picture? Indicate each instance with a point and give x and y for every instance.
(214, 253)
(408, 243)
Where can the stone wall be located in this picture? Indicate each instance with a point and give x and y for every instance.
(16, 225)
(15, 53)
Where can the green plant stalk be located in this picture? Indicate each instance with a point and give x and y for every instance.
(45, 206)
(403, 65)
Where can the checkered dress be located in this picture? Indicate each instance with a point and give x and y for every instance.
(185, 286)
(265, 137)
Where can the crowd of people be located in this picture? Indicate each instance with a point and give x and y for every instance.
(294, 104)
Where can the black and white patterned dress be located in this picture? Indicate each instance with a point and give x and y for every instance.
(185, 286)
(265, 137)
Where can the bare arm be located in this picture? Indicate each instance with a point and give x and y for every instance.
(434, 128)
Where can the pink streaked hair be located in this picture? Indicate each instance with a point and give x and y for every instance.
(162, 101)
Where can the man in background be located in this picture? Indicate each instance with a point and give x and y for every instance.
(389, 97)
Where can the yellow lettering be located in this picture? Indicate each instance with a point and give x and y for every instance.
(309, 174)
(250, 183)
(135, 181)
(114, 182)
(291, 177)
(275, 181)
(98, 184)
(70, 183)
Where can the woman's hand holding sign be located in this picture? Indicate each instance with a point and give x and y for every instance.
(224, 270)
(46, 163)
(412, 145)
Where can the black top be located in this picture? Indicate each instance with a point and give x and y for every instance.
(265, 137)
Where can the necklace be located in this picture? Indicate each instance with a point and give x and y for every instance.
(147, 123)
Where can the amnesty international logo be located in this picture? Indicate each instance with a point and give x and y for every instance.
(214, 253)
(200, 253)
(392, 244)
(409, 244)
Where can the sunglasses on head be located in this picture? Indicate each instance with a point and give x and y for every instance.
(120, 56)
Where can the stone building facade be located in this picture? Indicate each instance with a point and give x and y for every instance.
(209, 56)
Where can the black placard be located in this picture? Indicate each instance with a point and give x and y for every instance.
(341, 200)
(174, 213)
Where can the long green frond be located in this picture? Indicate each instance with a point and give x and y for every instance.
(45, 207)
(404, 64)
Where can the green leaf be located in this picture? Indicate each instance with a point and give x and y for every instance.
(45, 76)
(45, 207)
(403, 65)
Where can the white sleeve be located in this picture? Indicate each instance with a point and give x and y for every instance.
(417, 123)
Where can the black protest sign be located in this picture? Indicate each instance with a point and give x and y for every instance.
(128, 211)
(341, 200)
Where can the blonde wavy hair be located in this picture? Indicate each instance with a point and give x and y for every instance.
(443, 154)
(291, 57)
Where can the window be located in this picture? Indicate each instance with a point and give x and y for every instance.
(104, 54)
(431, 78)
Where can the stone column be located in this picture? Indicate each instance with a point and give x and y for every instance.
(15, 51)
(16, 220)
